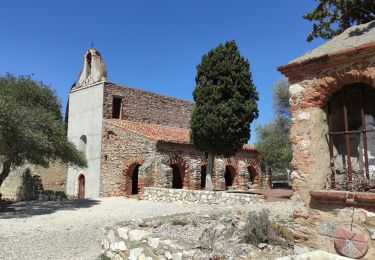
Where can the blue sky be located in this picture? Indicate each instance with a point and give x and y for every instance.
(152, 45)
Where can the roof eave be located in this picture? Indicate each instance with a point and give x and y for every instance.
(323, 58)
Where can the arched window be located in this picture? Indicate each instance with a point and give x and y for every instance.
(83, 144)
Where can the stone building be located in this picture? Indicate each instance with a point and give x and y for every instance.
(134, 138)
(333, 110)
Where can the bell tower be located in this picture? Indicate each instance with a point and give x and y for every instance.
(85, 119)
(93, 69)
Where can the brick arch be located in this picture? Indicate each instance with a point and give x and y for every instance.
(233, 167)
(183, 168)
(254, 165)
(127, 171)
(320, 93)
(254, 174)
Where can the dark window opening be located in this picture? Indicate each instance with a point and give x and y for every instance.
(116, 107)
(135, 180)
(228, 176)
(203, 176)
(176, 178)
(88, 59)
(351, 137)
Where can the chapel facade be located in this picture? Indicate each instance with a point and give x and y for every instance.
(134, 138)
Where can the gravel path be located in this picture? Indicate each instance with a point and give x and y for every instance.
(73, 229)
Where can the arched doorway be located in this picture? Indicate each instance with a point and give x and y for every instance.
(81, 187)
(229, 176)
(134, 180)
(177, 178)
(203, 176)
(254, 178)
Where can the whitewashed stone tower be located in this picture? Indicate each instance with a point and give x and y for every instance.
(85, 118)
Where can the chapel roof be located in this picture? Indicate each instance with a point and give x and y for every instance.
(355, 37)
(160, 133)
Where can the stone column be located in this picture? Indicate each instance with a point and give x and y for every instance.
(195, 174)
(243, 176)
(145, 174)
(266, 178)
(164, 176)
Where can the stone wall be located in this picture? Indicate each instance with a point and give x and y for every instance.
(191, 160)
(214, 235)
(121, 150)
(54, 176)
(24, 183)
(199, 196)
(143, 106)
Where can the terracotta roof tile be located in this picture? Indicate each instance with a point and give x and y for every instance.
(160, 133)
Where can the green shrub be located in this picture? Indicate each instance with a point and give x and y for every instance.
(104, 257)
(179, 222)
(260, 229)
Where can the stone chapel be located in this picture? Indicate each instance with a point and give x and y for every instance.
(134, 138)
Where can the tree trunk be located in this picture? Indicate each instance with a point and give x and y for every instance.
(5, 172)
(210, 166)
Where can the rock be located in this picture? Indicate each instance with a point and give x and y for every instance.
(111, 236)
(168, 255)
(106, 244)
(326, 228)
(359, 215)
(142, 257)
(371, 231)
(110, 254)
(295, 89)
(300, 250)
(262, 245)
(123, 232)
(153, 242)
(177, 256)
(317, 254)
(304, 115)
(120, 246)
(118, 257)
(137, 235)
(135, 253)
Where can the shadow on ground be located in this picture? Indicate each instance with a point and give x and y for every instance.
(24, 209)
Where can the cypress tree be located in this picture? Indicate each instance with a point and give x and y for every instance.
(226, 104)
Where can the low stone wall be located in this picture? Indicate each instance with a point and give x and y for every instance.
(199, 196)
(204, 235)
